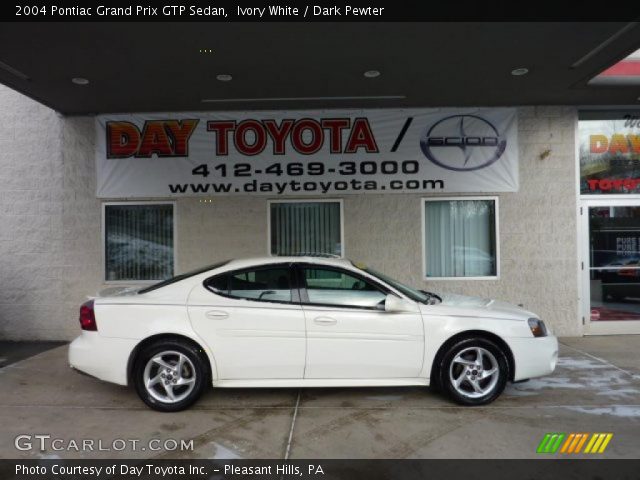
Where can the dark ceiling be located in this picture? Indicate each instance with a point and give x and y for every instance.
(158, 66)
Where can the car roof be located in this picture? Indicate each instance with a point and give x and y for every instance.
(256, 261)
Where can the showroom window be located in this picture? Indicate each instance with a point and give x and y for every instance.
(460, 238)
(309, 227)
(139, 241)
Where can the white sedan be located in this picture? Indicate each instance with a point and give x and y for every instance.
(304, 322)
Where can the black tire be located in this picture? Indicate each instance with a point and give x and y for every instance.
(470, 396)
(199, 373)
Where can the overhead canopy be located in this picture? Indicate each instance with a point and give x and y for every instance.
(138, 67)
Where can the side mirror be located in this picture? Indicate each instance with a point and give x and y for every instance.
(395, 304)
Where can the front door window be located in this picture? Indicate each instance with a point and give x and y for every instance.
(336, 287)
(614, 258)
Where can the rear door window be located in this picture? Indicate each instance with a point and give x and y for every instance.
(263, 284)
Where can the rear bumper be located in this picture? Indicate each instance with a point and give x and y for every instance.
(534, 357)
(101, 357)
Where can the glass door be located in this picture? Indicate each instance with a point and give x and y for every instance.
(611, 266)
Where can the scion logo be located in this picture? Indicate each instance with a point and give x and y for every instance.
(463, 143)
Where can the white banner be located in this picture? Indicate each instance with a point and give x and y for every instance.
(307, 152)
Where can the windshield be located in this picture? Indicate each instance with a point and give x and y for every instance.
(416, 295)
(177, 278)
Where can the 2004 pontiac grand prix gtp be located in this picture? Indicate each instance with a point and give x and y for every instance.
(305, 322)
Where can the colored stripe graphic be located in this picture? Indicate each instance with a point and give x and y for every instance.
(572, 443)
(565, 447)
(550, 443)
(598, 442)
(543, 443)
(584, 439)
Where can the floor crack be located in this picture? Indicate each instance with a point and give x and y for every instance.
(293, 423)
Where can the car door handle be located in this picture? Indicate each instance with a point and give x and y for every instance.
(216, 314)
(325, 321)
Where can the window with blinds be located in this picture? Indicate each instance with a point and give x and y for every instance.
(460, 238)
(138, 242)
(299, 228)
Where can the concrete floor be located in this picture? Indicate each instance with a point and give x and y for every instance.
(596, 388)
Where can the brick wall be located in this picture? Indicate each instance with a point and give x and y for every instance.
(49, 219)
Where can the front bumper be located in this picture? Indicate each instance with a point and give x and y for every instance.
(101, 357)
(534, 357)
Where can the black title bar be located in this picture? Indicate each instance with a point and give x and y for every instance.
(543, 469)
(316, 11)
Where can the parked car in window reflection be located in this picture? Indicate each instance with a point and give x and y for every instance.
(620, 280)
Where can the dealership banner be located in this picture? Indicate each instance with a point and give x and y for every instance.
(610, 155)
(323, 152)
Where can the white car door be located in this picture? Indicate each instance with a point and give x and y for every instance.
(252, 321)
(349, 335)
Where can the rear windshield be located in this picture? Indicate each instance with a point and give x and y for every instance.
(177, 278)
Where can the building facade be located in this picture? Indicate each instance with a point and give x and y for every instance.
(52, 225)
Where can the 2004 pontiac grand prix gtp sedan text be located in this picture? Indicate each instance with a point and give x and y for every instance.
(305, 322)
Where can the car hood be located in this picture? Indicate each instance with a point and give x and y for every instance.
(481, 307)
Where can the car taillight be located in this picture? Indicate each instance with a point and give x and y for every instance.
(88, 317)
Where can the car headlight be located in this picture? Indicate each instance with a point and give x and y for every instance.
(538, 328)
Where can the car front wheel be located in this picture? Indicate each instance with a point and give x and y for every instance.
(474, 371)
(170, 375)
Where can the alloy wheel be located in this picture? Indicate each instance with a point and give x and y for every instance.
(474, 372)
(169, 376)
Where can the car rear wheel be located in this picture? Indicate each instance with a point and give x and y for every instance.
(474, 371)
(170, 375)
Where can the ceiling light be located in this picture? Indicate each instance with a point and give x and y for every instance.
(518, 72)
(224, 77)
(80, 81)
(372, 73)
